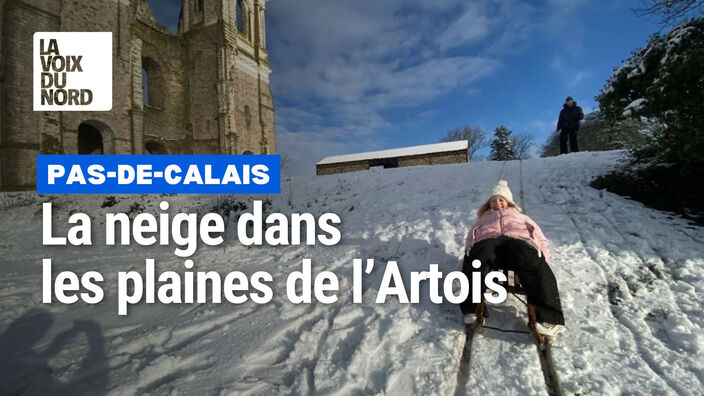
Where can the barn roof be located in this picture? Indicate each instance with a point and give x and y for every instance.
(397, 152)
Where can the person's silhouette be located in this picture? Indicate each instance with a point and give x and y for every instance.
(19, 363)
(23, 370)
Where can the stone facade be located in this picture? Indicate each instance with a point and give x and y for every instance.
(207, 85)
(447, 157)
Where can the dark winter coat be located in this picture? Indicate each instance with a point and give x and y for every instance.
(569, 117)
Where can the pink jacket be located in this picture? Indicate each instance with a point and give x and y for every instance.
(511, 223)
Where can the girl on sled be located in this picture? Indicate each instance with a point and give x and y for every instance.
(503, 237)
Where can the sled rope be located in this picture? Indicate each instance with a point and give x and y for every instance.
(501, 171)
(470, 330)
(506, 330)
(520, 299)
(552, 381)
(523, 204)
(543, 344)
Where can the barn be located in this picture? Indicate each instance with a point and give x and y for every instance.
(427, 154)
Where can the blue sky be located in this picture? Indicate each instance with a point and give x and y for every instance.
(361, 75)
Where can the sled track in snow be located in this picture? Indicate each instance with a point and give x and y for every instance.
(627, 326)
(643, 350)
(469, 330)
(547, 364)
(463, 372)
(552, 381)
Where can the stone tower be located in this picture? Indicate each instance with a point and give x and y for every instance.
(203, 90)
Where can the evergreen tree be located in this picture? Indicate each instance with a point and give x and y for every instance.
(502, 147)
(664, 84)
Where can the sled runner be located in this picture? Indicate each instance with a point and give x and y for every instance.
(513, 285)
(506, 240)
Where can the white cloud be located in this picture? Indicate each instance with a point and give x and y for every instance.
(578, 76)
(542, 129)
(569, 74)
(565, 6)
(470, 28)
(301, 150)
(557, 63)
(340, 66)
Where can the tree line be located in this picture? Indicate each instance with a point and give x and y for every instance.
(505, 145)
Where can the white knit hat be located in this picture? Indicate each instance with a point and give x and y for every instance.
(501, 188)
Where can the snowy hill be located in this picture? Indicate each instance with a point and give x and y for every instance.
(631, 281)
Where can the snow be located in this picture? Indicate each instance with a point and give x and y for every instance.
(398, 152)
(631, 281)
(639, 70)
(672, 46)
(635, 105)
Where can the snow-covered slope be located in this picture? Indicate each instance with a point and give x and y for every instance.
(630, 278)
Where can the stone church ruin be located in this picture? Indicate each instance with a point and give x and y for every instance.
(203, 90)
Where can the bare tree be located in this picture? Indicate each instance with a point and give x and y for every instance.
(671, 11)
(522, 145)
(475, 137)
(285, 161)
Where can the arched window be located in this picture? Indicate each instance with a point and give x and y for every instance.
(153, 84)
(145, 87)
(247, 152)
(241, 16)
(262, 30)
(90, 140)
(152, 147)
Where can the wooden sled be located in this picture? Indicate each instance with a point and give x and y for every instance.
(512, 285)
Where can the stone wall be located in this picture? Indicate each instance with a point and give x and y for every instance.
(166, 114)
(2, 85)
(115, 125)
(250, 127)
(209, 84)
(343, 167)
(202, 50)
(449, 157)
(22, 129)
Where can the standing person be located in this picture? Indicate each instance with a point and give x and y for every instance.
(503, 237)
(568, 125)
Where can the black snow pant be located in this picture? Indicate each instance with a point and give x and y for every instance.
(570, 133)
(534, 273)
